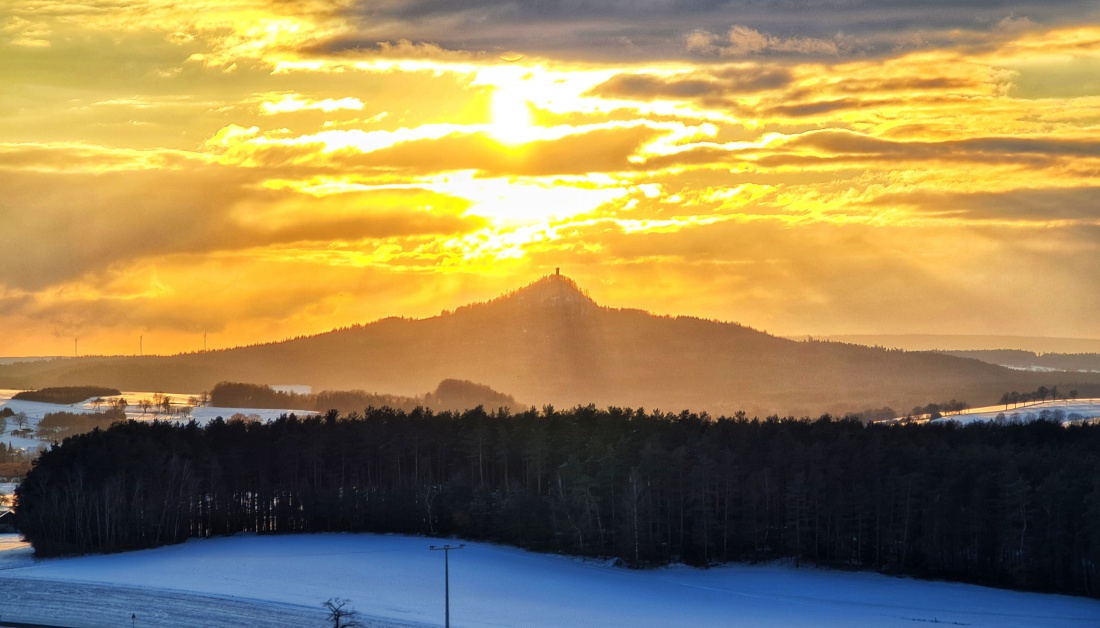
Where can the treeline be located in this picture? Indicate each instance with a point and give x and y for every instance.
(1039, 394)
(1082, 362)
(939, 410)
(66, 395)
(450, 394)
(1013, 505)
(61, 425)
(242, 395)
(14, 462)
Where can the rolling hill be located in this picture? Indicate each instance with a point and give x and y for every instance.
(549, 343)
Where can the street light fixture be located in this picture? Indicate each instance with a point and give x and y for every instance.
(446, 549)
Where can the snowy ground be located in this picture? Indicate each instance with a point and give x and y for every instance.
(35, 411)
(1062, 410)
(396, 581)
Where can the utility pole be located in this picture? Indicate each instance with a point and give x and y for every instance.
(446, 549)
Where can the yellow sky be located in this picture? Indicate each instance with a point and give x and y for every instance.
(256, 170)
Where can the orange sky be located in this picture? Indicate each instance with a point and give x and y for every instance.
(259, 170)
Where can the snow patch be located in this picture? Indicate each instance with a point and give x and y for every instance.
(396, 580)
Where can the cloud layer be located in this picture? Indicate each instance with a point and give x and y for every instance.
(255, 170)
(663, 29)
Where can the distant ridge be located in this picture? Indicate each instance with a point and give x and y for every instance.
(959, 342)
(550, 343)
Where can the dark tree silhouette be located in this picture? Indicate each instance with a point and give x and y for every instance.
(1011, 504)
(339, 614)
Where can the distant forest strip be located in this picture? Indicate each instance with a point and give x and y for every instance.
(451, 394)
(57, 426)
(1081, 362)
(1014, 505)
(66, 395)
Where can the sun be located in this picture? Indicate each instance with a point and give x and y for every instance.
(511, 121)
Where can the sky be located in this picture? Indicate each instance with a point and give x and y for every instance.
(237, 171)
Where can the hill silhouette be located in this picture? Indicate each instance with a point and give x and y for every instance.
(549, 343)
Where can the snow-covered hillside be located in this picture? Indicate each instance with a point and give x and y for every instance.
(396, 580)
(35, 411)
(1063, 411)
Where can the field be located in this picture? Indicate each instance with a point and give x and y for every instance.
(1061, 410)
(35, 411)
(397, 581)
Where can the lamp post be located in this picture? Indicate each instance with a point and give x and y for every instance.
(446, 549)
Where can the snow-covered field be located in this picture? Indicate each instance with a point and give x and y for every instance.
(1061, 410)
(35, 411)
(396, 580)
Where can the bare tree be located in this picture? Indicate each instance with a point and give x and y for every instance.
(427, 496)
(20, 419)
(340, 614)
(145, 404)
(162, 403)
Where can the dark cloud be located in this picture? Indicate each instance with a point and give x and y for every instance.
(836, 148)
(990, 148)
(903, 85)
(818, 108)
(1037, 205)
(716, 86)
(59, 227)
(624, 29)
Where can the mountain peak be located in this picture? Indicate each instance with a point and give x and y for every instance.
(555, 290)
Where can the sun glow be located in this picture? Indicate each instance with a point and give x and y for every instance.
(513, 202)
(511, 120)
